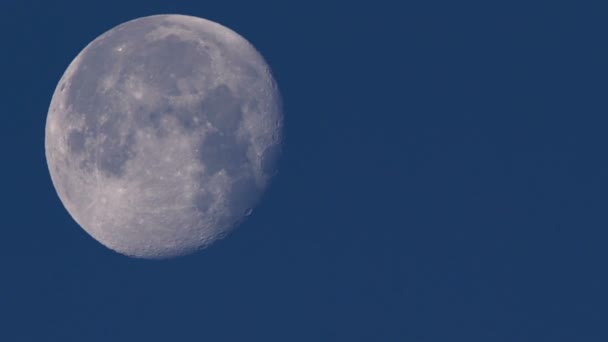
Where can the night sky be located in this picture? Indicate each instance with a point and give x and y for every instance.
(444, 178)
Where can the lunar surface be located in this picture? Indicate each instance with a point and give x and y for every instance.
(162, 135)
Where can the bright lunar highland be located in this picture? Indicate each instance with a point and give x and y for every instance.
(162, 135)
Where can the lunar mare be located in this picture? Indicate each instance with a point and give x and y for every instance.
(162, 135)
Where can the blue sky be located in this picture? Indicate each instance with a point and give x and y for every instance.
(443, 179)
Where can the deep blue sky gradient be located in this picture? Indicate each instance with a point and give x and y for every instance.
(445, 178)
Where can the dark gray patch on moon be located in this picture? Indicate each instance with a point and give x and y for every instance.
(243, 194)
(203, 201)
(270, 156)
(115, 145)
(223, 152)
(190, 120)
(76, 140)
(83, 94)
(219, 107)
(168, 24)
(152, 118)
(223, 109)
(116, 148)
(170, 57)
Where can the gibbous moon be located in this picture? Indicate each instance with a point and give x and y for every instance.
(162, 135)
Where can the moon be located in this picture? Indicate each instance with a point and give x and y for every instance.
(162, 135)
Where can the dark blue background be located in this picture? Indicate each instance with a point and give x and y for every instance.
(445, 178)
